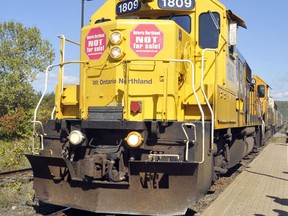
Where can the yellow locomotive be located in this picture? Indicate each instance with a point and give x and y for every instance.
(271, 117)
(164, 104)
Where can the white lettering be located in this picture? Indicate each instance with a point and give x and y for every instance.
(95, 43)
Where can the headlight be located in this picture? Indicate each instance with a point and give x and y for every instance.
(116, 37)
(116, 53)
(134, 139)
(76, 137)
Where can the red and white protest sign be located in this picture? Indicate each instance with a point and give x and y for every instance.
(95, 43)
(146, 40)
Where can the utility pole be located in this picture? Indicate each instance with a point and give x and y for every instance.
(82, 12)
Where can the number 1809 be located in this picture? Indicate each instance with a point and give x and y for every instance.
(128, 6)
(187, 4)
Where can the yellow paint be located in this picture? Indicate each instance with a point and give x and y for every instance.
(160, 83)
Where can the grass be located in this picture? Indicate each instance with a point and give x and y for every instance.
(12, 157)
(15, 193)
(12, 154)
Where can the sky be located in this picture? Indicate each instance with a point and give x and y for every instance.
(264, 43)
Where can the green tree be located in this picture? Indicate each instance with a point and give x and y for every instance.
(46, 107)
(23, 54)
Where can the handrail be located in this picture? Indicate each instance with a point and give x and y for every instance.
(49, 68)
(36, 110)
(187, 138)
(127, 82)
(193, 90)
(198, 103)
(41, 137)
(62, 58)
(61, 70)
(205, 96)
(69, 40)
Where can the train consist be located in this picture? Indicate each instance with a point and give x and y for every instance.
(272, 118)
(164, 104)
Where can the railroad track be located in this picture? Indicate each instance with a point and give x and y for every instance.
(24, 174)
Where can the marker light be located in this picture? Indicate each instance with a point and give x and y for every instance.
(135, 106)
(116, 53)
(116, 37)
(76, 137)
(134, 139)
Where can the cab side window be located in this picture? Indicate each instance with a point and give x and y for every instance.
(209, 24)
(261, 91)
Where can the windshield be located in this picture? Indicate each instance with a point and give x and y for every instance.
(182, 20)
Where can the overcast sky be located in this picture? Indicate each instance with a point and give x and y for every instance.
(264, 44)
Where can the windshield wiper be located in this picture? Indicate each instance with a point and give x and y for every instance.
(214, 20)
